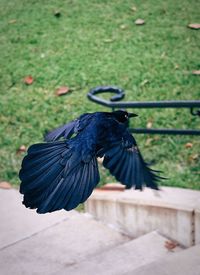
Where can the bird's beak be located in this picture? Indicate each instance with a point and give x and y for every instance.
(132, 115)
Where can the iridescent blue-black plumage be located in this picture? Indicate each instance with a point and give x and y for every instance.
(63, 172)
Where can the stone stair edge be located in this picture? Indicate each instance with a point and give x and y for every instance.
(190, 264)
(152, 200)
(154, 235)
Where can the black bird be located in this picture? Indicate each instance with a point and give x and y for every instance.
(63, 172)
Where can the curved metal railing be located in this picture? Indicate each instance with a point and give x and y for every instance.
(120, 94)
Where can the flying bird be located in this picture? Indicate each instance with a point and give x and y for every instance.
(63, 171)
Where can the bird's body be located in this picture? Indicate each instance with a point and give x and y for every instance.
(63, 172)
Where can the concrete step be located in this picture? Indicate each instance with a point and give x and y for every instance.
(123, 258)
(183, 263)
(45, 244)
(175, 212)
(19, 223)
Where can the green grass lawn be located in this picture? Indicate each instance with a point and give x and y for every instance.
(97, 43)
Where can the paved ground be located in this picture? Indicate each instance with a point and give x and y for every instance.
(72, 243)
(43, 244)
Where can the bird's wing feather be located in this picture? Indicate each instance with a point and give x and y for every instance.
(55, 176)
(67, 130)
(124, 161)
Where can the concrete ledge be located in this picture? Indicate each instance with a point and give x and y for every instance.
(197, 224)
(171, 211)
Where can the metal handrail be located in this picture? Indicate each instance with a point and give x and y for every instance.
(120, 94)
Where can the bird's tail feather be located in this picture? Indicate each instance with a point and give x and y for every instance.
(54, 177)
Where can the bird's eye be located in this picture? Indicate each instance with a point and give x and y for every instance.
(126, 116)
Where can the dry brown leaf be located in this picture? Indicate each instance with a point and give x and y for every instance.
(195, 26)
(146, 81)
(148, 141)
(57, 14)
(196, 72)
(149, 124)
(109, 40)
(156, 138)
(163, 55)
(13, 21)
(100, 160)
(188, 145)
(62, 90)
(28, 80)
(133, 8)
(139, 21)
(194, 157)
(123, 27)
(5, 185)
(176, 66)
(112, 187)
(21, 149)
(170, 245)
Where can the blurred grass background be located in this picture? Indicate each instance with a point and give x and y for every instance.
(97, 43)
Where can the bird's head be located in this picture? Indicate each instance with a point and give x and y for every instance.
(123, 116)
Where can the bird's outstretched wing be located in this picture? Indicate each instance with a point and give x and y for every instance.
(54, 176)
(67, 130)
(125, 162)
